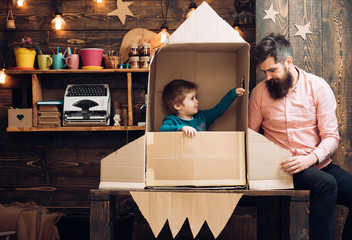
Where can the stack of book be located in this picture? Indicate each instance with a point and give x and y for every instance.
(49, 113)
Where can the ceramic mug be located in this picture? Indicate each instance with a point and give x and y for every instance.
(58, 61)
(44, 62)
(72, 61)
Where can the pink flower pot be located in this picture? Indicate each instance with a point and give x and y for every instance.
(91, 56)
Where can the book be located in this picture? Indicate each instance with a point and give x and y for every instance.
(49, 102)
(48, 108)
(48, 120)
(54, 114)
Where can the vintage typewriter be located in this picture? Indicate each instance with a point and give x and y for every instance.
(87, 104)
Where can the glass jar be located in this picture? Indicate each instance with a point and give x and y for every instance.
(144, 62)
(134, 62)
(144, 49)
(133, 50)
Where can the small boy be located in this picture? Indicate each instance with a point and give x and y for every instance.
(180, 98)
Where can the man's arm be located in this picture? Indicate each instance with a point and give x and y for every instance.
(255, 116)
(328, 133)
(327, 122)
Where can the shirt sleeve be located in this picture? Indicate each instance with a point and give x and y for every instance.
(212, 114)
(327, 122)
(170, 125)
(255, 116)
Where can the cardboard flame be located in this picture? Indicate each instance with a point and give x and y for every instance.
(214, 208)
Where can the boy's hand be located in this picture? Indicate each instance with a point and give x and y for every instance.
(189, 131)
(240, 91)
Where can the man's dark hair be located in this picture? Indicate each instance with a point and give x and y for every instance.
(274, 45)
(175, 92)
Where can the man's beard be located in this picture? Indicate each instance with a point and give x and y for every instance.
(279, 87)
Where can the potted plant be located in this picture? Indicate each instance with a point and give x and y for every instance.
(25, 55)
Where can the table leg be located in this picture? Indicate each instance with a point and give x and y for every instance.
(299, 219)
(102, 219)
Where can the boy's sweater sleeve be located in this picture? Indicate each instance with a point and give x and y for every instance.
(170, 124)
(212, 114)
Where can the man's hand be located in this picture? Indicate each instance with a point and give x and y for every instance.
(297, 164)
(189, 131)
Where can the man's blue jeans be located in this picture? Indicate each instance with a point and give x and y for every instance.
(327, 186)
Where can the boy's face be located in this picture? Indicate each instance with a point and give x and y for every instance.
(189, 107)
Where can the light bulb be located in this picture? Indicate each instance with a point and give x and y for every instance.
(190, 12)
(58, 22)
(2, 72)
(2, 75)
(20, 3)
(163, 35)
(238, 30)
(99, 1)
(192, 8)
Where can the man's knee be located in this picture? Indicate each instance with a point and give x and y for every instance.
(327, 184)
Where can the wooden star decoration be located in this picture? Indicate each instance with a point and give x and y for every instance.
(271, 13)
(303, 30)
(121, 11)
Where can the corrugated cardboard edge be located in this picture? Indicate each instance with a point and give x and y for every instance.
(214, 208)
(124, 168)
(121, 185)
(259, 147)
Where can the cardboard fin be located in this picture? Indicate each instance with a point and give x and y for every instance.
(157, 207)
(264, 158)
(124, 168)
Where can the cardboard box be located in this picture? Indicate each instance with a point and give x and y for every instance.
(20, 117)
(207, 50)
(208, 159)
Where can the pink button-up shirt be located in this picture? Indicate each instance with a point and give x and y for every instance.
(303, 122)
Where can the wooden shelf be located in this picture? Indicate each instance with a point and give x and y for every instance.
(75, 129)
(69, 71)
(37, 96)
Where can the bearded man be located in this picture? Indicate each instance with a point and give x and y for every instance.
(297, 110)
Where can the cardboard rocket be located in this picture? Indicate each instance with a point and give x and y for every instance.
(207, 50)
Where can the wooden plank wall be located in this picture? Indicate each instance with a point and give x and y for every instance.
(57, 169)
(326, 52)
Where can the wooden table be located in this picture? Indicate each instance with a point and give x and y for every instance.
(281, 214)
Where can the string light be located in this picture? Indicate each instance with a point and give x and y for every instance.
(2, 73)
(19, 3)
(163, 35)
(192, 7)
(58, 22)
(5, 48)
(237, 27)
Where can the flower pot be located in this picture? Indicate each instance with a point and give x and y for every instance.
(25, 57)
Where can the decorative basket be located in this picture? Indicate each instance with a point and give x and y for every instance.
(112, 62)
